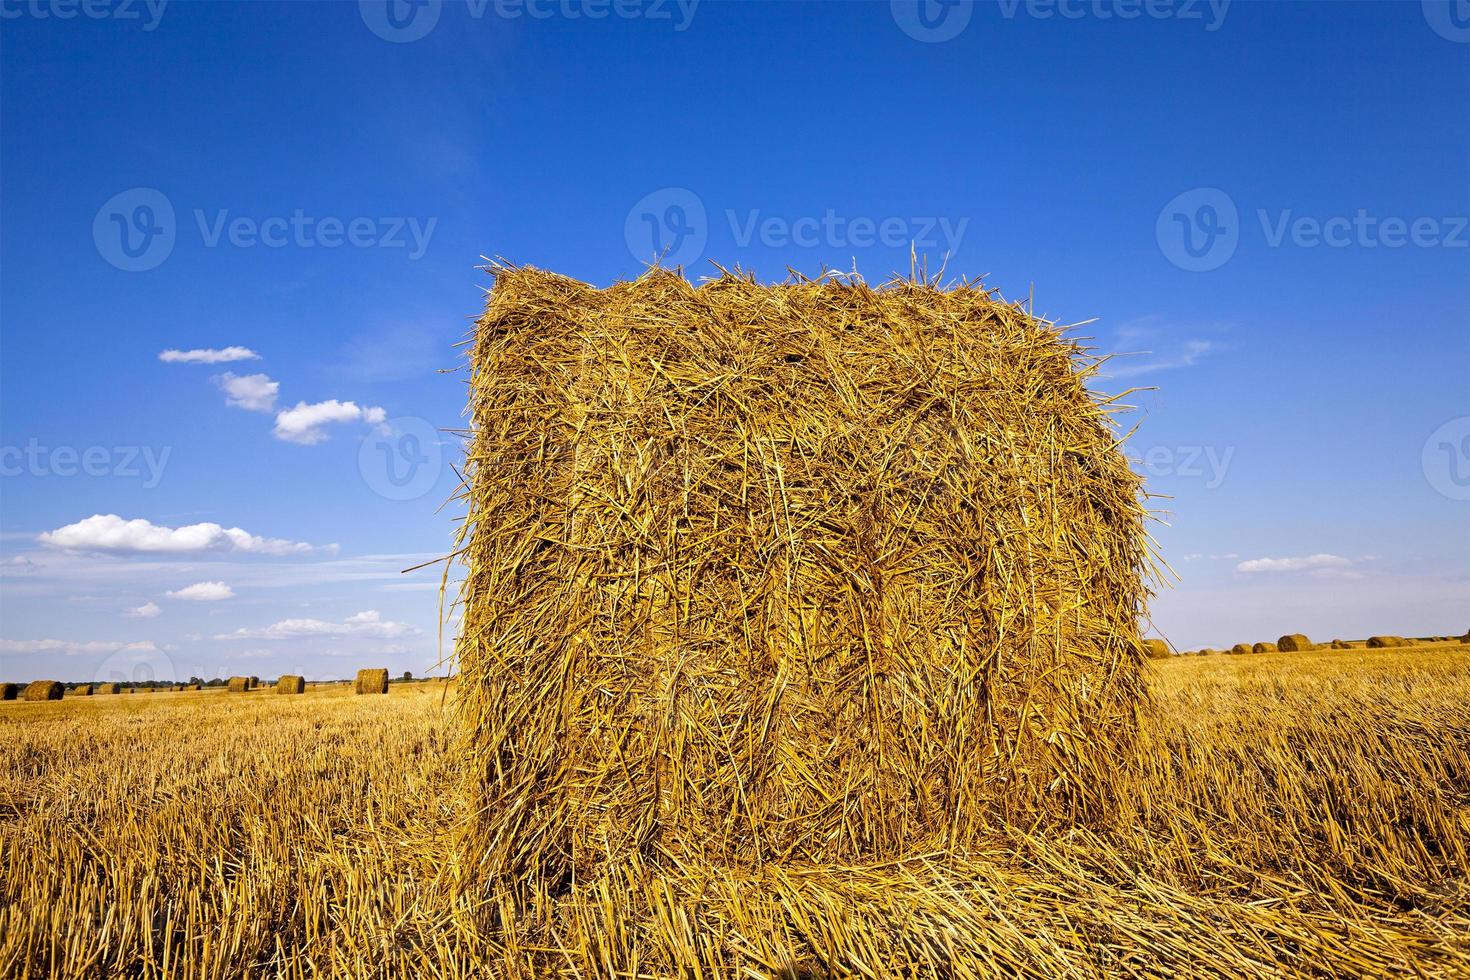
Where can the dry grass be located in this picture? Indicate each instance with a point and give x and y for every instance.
(1301, 815)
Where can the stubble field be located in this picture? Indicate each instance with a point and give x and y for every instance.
(1300, 814)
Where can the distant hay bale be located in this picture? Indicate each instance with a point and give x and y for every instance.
(109, 687)
(1386, 642)
(239, 684)
(44, 691)
(82, 690)
(194, 687)
(1242, 648)
(1341, 645)
(1263, 648)
(372, 680)
(1294, 643)
(1207, 651)
(1156, 649)
(9, 692)
(291, 684)
(815, 572)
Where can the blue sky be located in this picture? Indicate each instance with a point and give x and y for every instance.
(1264, 205)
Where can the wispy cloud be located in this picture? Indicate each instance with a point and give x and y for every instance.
(254, 392)
(368, 623)
(1320, 564)
(208, 355)
(304, 423)
(73, 648)
(146, 611)
(1189, 354)
(109, 533)
(203, 592)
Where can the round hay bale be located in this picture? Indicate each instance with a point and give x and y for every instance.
(194, 687)
(254, 682)
(239, 685)
(9, 691)
(731, 547)
(109, 687)
(1294, 643)
(44, 691)
(1263, 648)
(372, 680)
(291, 684)
(1387, 642)
(1341, 645)
(82, 691)
(1242, 648)
(1156, 649)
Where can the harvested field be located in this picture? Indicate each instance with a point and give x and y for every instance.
(1284, 822)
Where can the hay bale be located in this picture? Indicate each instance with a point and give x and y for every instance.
(730, 548)
(9, 692)
(1263, 648)
(82, 691)
(1156, 649)
(194, 687)
(1387, 642)
(110, 687)
(254, 682)
(1294, 643)
(44, 691)
(1242, 648)
(372, 680)
(239, 685)
(291, 684)
(1341, 645)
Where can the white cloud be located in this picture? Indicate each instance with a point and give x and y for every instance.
(146, 611)
(203, 592)
(1188, 355)
(254, 392)
(208, 355)
(1305, 563)
(110, 533)
(303, 424)
(368, 623)
(72, 648)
